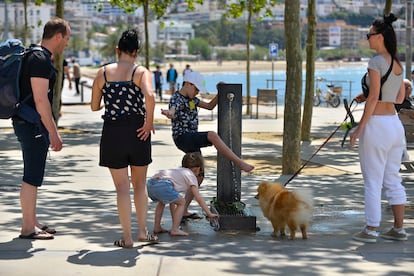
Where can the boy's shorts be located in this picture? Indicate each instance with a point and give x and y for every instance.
(192, 142)
(162, 190)
(34, 141)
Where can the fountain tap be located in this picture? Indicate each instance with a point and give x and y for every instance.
(230, 97)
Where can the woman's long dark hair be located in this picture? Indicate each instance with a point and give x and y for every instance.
(384, 27)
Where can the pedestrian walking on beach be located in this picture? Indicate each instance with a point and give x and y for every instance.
(38, 77)
(158, 81)
(381, 134)
(184, 117)
(76, 74)
(171, 78)
(165, 188)
(125, 144)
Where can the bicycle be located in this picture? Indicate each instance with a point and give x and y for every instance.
(330, 96)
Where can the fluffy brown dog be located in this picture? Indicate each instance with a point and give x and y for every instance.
(285, 208)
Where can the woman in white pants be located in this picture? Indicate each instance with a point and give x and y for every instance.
(381, 134)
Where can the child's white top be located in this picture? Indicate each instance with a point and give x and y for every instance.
(182, 178)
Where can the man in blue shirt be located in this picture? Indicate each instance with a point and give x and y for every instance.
(172, 78)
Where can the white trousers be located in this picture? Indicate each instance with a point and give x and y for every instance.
(381, 146)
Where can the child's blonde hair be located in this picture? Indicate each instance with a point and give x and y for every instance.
(192, 160)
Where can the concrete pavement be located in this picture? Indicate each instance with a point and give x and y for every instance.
(78, 198)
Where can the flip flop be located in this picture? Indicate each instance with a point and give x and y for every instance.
(150, 238)
(121, 243)
(42, 235)
(49, 230)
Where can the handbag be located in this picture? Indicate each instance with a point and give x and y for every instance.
(365, 87)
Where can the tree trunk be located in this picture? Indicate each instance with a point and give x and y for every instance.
(25, 29)
(408, 37)
(388, 7)
(146, 16)
(291, 130)
(58, 62)
(248, 38)
(310, 72)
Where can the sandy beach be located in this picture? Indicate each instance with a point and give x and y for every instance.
(235, 66)
(240, 66)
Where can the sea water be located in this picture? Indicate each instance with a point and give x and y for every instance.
(349, 78)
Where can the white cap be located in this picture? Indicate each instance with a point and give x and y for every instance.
(196, 79)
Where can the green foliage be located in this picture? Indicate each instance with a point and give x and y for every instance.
(129, 6)
(351, 18)
(199, 46)
(224, 32)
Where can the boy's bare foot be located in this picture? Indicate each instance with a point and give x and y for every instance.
(246, 167)
(178, 233)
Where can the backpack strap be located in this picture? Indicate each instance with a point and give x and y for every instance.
(28, 51)
(385, 77)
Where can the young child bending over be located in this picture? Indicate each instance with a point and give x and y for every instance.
(165, 187)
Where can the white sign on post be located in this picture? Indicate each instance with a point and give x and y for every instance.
(273, 49)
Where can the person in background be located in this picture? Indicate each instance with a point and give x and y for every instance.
(381, 135)
(38, 78)
(406, 104)
(76, 74)
(66, 73)
(171, 78)
(187, 69)
(158, 81)
(165, 187)
(126, 89)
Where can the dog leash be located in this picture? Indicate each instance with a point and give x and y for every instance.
(349, 126)
(352, 123)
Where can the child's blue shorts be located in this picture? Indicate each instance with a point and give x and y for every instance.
(162, 190)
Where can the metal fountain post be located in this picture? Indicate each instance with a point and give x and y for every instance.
(230, 102)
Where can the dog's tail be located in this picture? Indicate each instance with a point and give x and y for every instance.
(306, 196)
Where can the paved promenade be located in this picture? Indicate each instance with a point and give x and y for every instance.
(78, 198)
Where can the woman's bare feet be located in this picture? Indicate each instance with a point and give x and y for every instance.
(178, 233)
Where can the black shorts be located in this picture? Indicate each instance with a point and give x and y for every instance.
(120, 147)
(192, 142)
(34, 141)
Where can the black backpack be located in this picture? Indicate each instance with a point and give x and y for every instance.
(12, 54)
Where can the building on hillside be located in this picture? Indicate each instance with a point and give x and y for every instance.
(37, 16)
(174, 35)
(202, 13)
(336, 34)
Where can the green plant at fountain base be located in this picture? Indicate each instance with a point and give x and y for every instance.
(228, 208)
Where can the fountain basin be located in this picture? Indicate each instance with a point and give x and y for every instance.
(234, 216)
